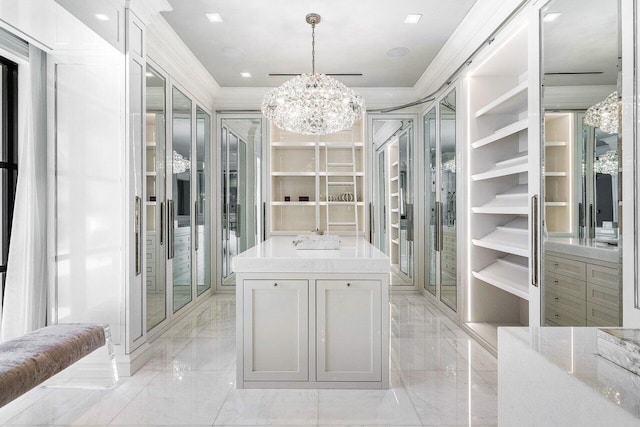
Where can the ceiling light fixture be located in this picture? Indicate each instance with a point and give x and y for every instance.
(551, 16)
(214, 17)
(397, 52)
(245, 74)
(313, 104)
(101, 17)
(412, 18)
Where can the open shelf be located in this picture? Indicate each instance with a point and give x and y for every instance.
(502, 133)
(514, 99)
(513, 201)
(555, 143)
(507, 275)
(293, 203)
(511, 238)
(556, 174)
(556, 204)
(293, 174)
(395, 225)
(311, 144)
(395, 241)
(511, 166)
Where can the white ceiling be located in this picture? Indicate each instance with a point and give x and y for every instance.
(263, 37)
(583, 38)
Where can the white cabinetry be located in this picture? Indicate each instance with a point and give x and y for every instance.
(349, 330)
(499, 187)
(276, 341)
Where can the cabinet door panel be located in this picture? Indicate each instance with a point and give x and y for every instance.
(276, 326)
(349, 330)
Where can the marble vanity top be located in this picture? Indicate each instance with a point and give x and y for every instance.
(574, 350)
(278, 255)
(587, 248)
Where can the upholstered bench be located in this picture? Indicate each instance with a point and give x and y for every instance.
(33, 358)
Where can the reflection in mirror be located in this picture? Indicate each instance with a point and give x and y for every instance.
(447, 187)
(393, 198)
(581, 261)
(181, 181)
(155, 199)
(203, 246)
(241, 189)
(430, 155)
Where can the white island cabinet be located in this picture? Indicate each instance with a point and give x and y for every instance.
(312, 318)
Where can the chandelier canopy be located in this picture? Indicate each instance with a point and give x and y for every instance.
(313, 104)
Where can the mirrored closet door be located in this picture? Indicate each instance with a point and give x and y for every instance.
(202, 205)
(155, 195)
(581, 171)
(394, 195)
(241, 182)
(441, 276)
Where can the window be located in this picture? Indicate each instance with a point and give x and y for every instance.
(8, 156)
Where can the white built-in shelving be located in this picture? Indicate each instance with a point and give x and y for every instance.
(558, 165)
(499, 244)
(317, 183)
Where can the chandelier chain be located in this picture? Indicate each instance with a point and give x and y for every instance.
(313, 48)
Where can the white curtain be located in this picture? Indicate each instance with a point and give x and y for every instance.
(25, 295)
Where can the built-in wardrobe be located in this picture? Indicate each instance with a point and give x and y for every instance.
(524, 183)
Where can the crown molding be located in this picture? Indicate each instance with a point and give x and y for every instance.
(147, 9)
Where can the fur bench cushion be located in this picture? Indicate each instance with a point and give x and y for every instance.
(33, 358)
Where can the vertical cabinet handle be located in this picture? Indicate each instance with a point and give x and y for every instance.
(437, 227)
(238, 220)
(371, 222)
(534, 240)
(138, 234)
(170, 229)
(195, 224)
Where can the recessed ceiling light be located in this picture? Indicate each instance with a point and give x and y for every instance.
(412, 18)
(397, 52)
(101, 17)
(551, 16)
(245, 74)
(214, 17)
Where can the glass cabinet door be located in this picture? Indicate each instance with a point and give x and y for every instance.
(155, 274)
(202, 214)
(405, 154)
(181, 185)
(447, 187)
(430, 156)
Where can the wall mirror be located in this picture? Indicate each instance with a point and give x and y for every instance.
(581, 174)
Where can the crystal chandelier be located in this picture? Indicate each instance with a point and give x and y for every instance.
(605, 115)
(313, 104)
(607, 163)
(180, 164)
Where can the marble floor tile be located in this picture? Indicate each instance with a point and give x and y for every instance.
(439, 376)
(269, 407)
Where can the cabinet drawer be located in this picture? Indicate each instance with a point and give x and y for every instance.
(604, 296)
(602, 316)
(448, 268)
(563, 302)
(563, 318)
(604, 276)
(565, 267)
(565, 285)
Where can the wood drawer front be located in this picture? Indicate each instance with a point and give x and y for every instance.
(563, 318)
(604, 296)
(449, 239)
(449, 257)
(603, 276)
(602, 316)
(565, 285)
(449, 268)
(566, 267)
(563, 302)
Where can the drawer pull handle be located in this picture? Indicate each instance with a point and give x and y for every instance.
(556, 315)
(555, 264)
(555, 281)
(275, 284)
(348, 284)
(556, 298)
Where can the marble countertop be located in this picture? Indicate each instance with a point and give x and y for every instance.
(587, 248)
(279, 255)
(574, 350)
